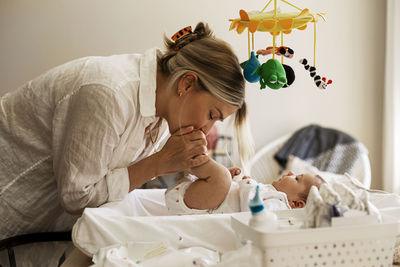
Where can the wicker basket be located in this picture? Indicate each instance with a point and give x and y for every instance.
(355, 245)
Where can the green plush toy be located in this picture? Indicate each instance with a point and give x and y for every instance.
(272, 74)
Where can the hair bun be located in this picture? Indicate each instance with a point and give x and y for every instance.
(203, 30)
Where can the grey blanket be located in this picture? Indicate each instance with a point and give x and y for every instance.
(327, 149)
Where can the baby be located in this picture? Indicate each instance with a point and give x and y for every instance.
(210, 189)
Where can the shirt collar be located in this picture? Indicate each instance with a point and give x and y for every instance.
(148, 83)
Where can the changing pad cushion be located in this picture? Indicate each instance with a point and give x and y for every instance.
(105, 226)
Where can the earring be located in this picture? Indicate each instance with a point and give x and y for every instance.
(180, 93)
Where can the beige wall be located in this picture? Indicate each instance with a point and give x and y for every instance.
(37, 35)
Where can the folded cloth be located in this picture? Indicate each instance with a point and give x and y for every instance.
(151, 254)
(327, 149)
(334, 201)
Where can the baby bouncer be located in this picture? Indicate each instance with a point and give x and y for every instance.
(264, 167)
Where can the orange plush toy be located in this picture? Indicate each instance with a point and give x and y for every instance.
(280, 51)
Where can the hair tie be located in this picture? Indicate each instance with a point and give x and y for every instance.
(183, 37)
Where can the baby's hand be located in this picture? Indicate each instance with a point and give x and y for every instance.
(234, 171)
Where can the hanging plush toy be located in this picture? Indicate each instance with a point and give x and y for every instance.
(249, 70)
(280, 51)
(321, 83)
(311, 69)
(290, 77)
(272, 74)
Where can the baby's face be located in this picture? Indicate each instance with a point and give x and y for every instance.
(293, 185)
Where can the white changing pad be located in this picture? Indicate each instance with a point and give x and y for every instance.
(105, 226)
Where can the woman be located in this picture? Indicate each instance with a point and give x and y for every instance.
(84, 133)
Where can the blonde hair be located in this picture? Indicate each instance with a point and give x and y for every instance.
(218, 71)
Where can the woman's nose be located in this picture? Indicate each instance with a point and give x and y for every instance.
(206, 129)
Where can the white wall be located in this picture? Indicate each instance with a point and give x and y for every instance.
(37, 35)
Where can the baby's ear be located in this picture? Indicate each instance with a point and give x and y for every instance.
(297, 204)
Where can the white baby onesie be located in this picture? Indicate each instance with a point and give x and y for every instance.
(240, 192)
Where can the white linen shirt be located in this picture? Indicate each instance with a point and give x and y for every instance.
(68, 136)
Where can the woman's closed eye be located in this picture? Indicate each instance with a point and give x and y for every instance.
(213, 116)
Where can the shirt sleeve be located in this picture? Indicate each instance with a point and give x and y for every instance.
(87, 126)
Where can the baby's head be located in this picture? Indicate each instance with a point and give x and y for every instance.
(297, 187)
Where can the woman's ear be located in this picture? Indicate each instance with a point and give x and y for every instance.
(187, 82)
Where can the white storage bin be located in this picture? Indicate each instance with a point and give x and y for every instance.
(356, 245)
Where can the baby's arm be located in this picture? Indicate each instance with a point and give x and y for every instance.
(210, 190)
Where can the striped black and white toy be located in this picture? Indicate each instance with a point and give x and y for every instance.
(312, 70)
(321, 83)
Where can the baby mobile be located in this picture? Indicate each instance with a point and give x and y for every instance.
(273, 73)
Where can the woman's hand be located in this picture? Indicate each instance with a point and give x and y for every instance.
(234, 171)
(185, 148)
